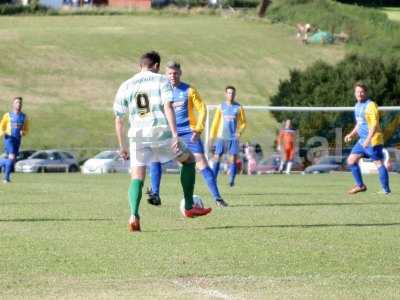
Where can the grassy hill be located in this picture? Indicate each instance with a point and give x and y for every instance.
(68, 68)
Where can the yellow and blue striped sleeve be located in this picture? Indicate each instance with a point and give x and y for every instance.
(25, 128)
(199, 105)
(216, 123)
(5, 124)
(241, 120)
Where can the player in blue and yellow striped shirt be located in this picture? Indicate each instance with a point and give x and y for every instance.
(370, 143)
(190, 114)
(13, 125)
(228, 124)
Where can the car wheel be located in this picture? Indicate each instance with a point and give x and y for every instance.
(73, 168)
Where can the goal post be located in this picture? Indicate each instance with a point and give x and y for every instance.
(251, 109)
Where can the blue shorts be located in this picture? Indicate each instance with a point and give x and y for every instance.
(227, 146)
(373, 152)
(11, 145)
(194, 147)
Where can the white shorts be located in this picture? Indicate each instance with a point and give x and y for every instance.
(143, 154)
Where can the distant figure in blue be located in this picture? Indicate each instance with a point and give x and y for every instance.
(228, 124)
(13, 125)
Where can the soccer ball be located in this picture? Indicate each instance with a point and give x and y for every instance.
(197, 202)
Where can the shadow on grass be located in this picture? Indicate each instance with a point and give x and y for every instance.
(302, 226)
(54, 220)
(314, 204)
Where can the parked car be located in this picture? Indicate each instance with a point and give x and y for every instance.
(327, 164)
(271, 165)
(48, 161)
(106, 162)
(391, 160)
(23, 154)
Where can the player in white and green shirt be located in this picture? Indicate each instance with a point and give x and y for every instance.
(147, 99)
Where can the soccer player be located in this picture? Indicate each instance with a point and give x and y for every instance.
(285, 144)
(147, 99)
(370, 143)
(228, 124)
(187, 102)
(14, 125)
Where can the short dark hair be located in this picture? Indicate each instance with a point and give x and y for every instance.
(230, 87)
(362, 85)
(17, 98)
(173, 65)
(149, 59)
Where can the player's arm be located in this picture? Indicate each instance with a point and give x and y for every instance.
(3, 124)
(352, 134)
(215, 124)
(120, 109)
(170, 114)
(201, 109)
(241, 122)
(372, 116)
(25, 128)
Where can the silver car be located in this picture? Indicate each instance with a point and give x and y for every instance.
(48, 161)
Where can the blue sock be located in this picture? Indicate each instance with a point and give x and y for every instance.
(216, 169)
(355, 170)
(384, 178)
(155, 176)
(2, 163)
(8, 167)
(232, 174)
(211, 181)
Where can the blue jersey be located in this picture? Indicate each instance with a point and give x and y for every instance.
(229, 120)
(14, 125)
(367, 115)
(185, 100)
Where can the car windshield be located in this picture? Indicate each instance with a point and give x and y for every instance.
(40, 155)
(107, 155)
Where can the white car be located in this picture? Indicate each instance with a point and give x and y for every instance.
(106, 162)
(367, 166)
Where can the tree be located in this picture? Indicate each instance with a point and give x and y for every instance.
(262, 9)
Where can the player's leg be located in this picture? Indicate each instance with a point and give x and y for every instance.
(377, 157)
(139, 156)
(233, 149)
(188, 179)
(12, 148)
(155, 180)
(289, 159)
(352, 161)
(219, 151)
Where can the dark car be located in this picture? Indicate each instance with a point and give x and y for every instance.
(327, 164)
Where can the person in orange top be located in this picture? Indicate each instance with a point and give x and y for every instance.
(285, 144)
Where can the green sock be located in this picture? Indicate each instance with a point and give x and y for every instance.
(134, 195)
(188, 177)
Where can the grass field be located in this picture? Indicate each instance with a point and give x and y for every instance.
(68, 68)
(283, 237)
(393, 13)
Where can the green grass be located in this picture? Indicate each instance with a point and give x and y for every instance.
(65, 237)
(68, 68)
(393, 13)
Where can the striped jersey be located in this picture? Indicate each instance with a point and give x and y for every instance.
(229, 120)
(142, 97)
(367, 115)
(186, 101)
(14, 124)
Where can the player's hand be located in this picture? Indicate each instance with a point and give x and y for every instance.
(123, 153)
(348, 138)
(195, 136)
(366, 144)
(237, 135)
(175, 145)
